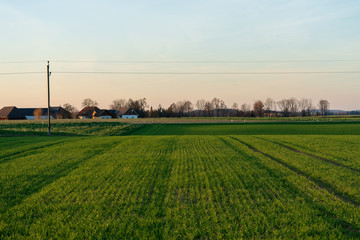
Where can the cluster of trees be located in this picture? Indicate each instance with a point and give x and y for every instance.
(216, 107)
(139, 105)
(202, 108)
(290, 107)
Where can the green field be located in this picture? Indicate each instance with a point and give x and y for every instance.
(183, 181)
(254, 128)
(119, 128)
(65, 128)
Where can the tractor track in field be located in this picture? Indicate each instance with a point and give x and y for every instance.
(321, 184)
(350, 227)
(59, 174)
(26, 152)
(312, 155)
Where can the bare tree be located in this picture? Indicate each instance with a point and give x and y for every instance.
(259, 108)
(309, 108)
(324, 106)
(305, 106)
(245, 109)
(38, 113)
(151, 113)
(117, 104)
(234, 109)
(161, 112)
(138, 105)
(71, 109)
(88, 102)
(293, 106)
(172, 110)
(188, 107)
(270, 105)
(208, 109)
(284, 107)
(180, 106)
(200, 105)
(216, 106)
(223, 109)
(235, 106)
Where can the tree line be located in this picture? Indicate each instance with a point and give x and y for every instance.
(216, 107)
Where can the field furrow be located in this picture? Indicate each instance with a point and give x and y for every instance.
(339, 149)
(332, 209)
(179, 187)
(24, 151)
(336, 163)
(346, 188)
(28, 174)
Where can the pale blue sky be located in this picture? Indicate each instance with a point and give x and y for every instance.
(180, 30)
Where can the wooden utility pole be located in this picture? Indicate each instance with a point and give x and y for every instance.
(48, 87)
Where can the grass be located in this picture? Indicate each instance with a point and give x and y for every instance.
(266, 128)
(65, 128)
(181, 126)
(190, 181)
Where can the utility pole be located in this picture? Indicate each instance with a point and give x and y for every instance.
(48, 87)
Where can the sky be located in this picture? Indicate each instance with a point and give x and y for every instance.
(179, 37)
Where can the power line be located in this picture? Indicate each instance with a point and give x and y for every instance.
(20, 62)
(211, 73)
(215, 61)
(185, 61)
(20, 73)
(186, 73)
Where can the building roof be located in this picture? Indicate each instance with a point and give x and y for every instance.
(126, 111)
(88, 111)
(122, 110)
(104, 112)
(11, 113)
(113, 112)
(21, 113)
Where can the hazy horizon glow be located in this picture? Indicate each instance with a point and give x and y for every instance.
(180, 31)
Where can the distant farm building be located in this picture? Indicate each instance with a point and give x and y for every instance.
(87, 112)
(14, 113)
(127, 112)
(104, 114)
(96, 113)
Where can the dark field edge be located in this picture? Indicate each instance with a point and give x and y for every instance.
(321, 184)
(62, 129)
(46, 180)
(311, 155)
(347, 228)
(151, 129)
(256, 123)
(329, 118)
(131, 129)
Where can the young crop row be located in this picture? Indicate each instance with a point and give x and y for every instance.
(252, 128)
(336, 200)
(171, 187)
(343, 150)
(338, 179)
